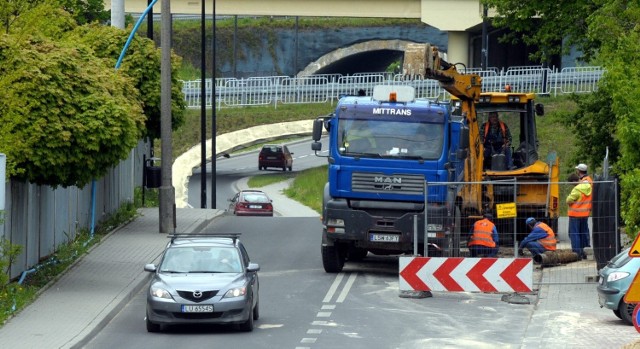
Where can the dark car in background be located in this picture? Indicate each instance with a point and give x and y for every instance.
(275, 155)
(251, 202)
(613, 282)
(203, 279)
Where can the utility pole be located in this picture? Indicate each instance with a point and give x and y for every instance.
(166, 190)
(117, 13)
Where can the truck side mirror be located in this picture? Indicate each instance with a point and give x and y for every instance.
(316, 146)
(318, 124)
(539, 109)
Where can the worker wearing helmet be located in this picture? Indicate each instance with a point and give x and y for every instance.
(484, 238)
(579, 201)
(541, 238)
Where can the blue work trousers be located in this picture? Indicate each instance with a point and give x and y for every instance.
(535, 248)
(483, 251)
(579, 234)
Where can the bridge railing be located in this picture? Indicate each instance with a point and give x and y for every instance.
(323, 88)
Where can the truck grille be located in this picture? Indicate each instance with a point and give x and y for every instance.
(389, 184)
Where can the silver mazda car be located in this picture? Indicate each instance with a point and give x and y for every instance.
(203, 279)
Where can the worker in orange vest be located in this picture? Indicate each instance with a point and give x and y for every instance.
(579, 201)
(496, 139)
(540, 240)
(484, 238)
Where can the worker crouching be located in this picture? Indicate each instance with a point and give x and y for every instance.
(484, 238)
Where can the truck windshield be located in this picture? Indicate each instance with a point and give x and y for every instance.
(390, 139)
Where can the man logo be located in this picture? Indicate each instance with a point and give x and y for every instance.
(388, 180)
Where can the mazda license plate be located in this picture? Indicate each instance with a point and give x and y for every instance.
(377, 237)
(197, 308)
(255, 206)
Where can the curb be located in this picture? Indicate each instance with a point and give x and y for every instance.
(136, 285)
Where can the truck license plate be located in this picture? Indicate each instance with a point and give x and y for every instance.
(197, 308)
(384, 237)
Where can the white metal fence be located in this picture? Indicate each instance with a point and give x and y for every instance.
(274, 90)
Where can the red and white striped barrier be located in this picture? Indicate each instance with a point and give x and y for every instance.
(458, 274)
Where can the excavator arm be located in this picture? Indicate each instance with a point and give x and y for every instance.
(425, 60)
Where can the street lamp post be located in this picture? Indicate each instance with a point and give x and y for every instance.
(203, 111)
(213, 112)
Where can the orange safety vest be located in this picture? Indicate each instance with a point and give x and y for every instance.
(482, 234)
(582, 207)
(549, 243)
(503, 128)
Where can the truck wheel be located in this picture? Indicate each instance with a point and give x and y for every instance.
(332, 259)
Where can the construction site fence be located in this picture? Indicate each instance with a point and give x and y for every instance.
(562, 266)
(323, 88)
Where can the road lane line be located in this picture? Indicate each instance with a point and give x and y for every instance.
(332, 289)
(347, 287)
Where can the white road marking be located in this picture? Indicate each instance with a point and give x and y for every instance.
(347, 287)
(333, 288)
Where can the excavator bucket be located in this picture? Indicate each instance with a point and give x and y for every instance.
(418, 59)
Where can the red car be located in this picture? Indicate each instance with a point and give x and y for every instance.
(275, 155)
(251, 203)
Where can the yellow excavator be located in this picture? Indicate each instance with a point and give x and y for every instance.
(512, 182)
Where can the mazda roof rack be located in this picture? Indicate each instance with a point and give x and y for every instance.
(233, 236)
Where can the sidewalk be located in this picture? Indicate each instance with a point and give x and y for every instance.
(96, 287)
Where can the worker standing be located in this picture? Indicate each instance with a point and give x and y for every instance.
(579, 201)
(484, 238)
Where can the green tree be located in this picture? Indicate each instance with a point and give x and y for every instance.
(547, 24)
(142, 64)
(607, 32)
(615, 25)
(86, 11)
(71, 118)
(68, 115)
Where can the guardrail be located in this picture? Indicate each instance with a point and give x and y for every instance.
(232, 92)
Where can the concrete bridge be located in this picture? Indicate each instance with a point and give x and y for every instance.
(458, 21)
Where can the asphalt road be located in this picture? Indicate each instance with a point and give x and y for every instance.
(304, 307)
(241, 165)
(301, 306)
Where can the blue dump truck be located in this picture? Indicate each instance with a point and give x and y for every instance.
(397, 162)
(382, 149)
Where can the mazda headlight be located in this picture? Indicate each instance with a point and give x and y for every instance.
(236, 292)
(159, 292)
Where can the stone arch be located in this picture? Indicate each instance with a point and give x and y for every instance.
(367, 46)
